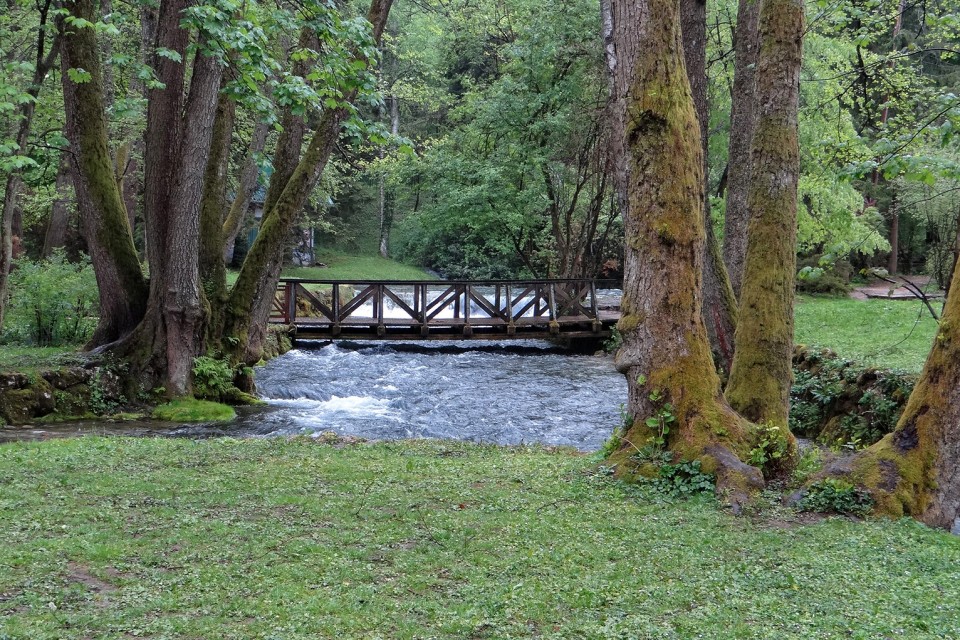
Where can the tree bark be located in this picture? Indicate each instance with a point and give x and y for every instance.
(759, 386)
(123, 290)
(213, 271)
(251, 298)
(183, 310)
(719, 302)
(245, 190)
(665, 354)
(163, 132)
(742, 123)
(915, 470)
(56, 235)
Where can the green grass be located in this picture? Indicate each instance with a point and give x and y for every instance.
(25, 359)
(192, 410)
(156, 538)
(348, 267)
(880, 333)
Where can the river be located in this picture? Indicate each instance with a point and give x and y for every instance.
(505, 393)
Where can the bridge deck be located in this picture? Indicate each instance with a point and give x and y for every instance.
(443, 310)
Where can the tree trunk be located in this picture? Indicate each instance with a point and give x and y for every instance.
(123, 291)
(760, 379)
(915, 470)
(245, 190)
(183, 310)
(893, 261)
(719, 302)
(213, 272)
(386, 215)
(665, 354)
(251, 298)
(56, 235)
(163, 132)
(742, 123)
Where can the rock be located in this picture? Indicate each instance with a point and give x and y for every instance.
(68, 377)
(21, 406)
(956, 527)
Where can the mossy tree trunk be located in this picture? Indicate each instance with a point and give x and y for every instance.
(742, 121)
(170, 317)
(213, 272)
(915, 470)
(666, 355)
(719, 302)
(759, 386)
(123, 290)
(251, 298)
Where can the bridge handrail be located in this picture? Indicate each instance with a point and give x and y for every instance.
(478, 283)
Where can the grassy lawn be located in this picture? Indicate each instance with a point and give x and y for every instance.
(27, 359)
(343, 267)
(346, 267)
(155, 538)
(881, 333)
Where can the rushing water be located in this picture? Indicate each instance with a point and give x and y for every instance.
(508, 393)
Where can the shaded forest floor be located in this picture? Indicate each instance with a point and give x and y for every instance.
(294, 539)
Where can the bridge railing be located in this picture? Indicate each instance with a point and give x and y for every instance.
(461, 305)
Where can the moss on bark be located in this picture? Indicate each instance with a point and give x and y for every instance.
(759, 385)
(915, 470)
(666, 355)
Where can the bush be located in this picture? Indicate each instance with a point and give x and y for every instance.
(836, 496)
(817, 276)
(53, 302)
(212, 378)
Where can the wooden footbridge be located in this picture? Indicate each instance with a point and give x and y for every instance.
(444, 310)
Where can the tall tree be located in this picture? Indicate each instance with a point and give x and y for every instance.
(123, 289)
(251, 298)
(742, 123)
(666, 355)
(161, 329)
(759, 386)
(719, 302)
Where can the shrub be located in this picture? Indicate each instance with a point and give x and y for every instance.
(53, 302)
(683, 480)
(212, 377)
(832, 495)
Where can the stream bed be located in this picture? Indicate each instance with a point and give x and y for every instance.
(505, 393)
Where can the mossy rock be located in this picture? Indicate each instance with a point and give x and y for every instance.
(67, 377)
(278, 341)
(22, 406)
(191, 410)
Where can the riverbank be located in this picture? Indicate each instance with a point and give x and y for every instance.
(158, 538)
